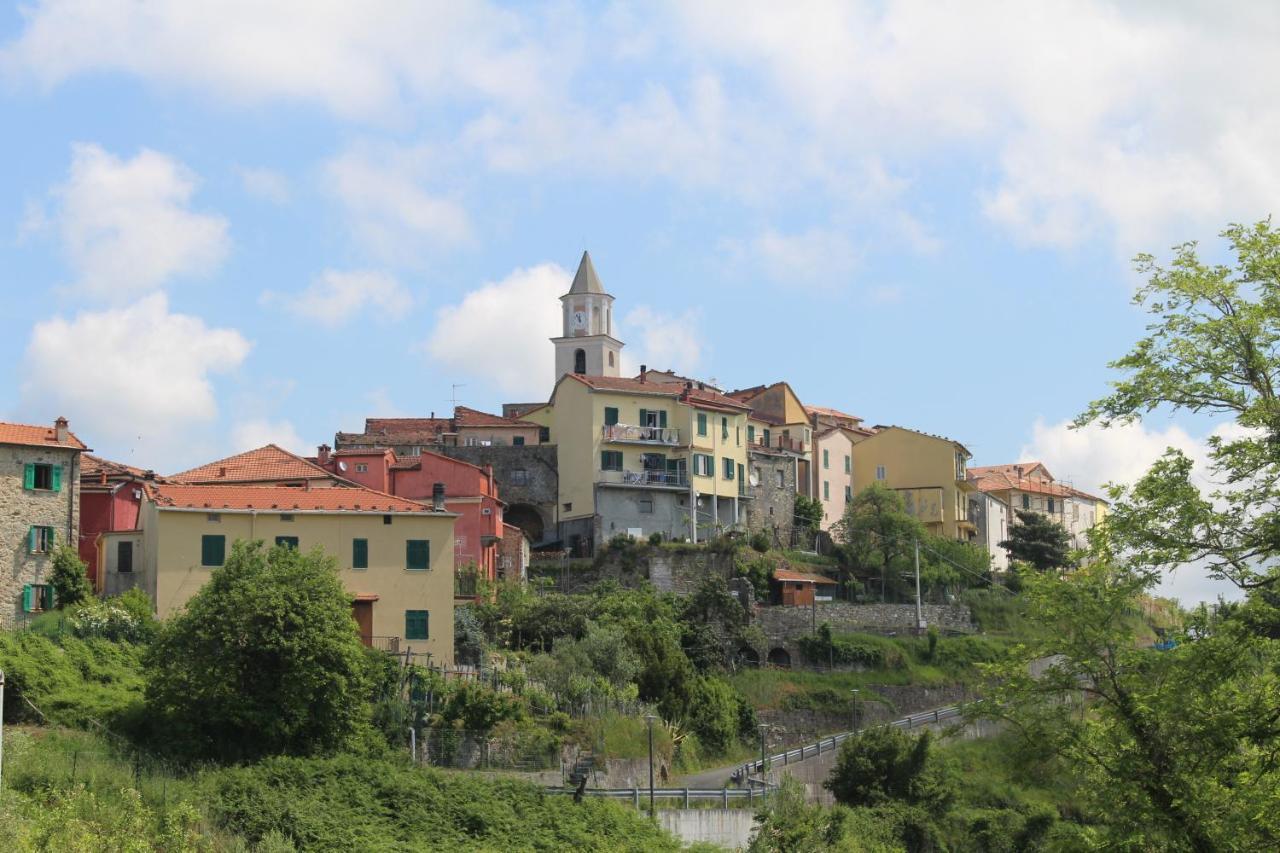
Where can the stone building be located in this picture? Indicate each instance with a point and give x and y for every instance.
(39, 510)
(772, 477)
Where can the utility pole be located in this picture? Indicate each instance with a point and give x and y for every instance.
(653, 815)
(1, 729)
(919, 616)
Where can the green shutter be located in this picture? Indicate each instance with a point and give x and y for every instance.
(751, 434)
(417, 624)
(610, 416)
(46, 596)
(56, 478)
(28, 598)
(52, 543)
(213, 550)
(662, 419)
(644, 417)
(417, 555)
(359, 553)
(32, 539)
(766, 437)
(29, 476)
(702, 423)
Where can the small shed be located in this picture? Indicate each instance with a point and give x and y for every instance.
(801, 589)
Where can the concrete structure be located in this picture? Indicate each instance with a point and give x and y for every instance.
(1030, 486)
(929, 471)
(394, 556)
(991, 518)
(587, 346)
(39, 510)
(466, 428)
(110, 498)
(732, 829)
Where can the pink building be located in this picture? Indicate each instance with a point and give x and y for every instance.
(110, 497)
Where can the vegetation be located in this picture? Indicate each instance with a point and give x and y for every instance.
(1038, 541)
(808, 516)
(264, 660)
(69, 577)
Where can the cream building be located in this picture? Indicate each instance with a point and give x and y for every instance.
(1030, 486)
(394, 556)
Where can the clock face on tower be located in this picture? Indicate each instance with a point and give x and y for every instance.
(579, 319)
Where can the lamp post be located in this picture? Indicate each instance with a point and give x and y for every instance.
(764, 782)
(854, 691)
(653, 815)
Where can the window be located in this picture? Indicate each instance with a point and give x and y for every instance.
(517, 440)
(728, 467)
(579, 361)
(362, 467)
(40, 540)
(124, 557)
(611, 358)
(386, 519)
(544, 435)
(359, 553)
(646, 505)
(724, 429)
(766, 437)
(826, 458)
(213, 550)
(702, 423)
(417, 555)
(417, 623)
(782, 478)
(290, 542)
(43, 477)
(1075, 512)
(1050, 504)
(286, 516)
(848, 464)
(808, 436)
(610, 460)
(826, 490)
(568, 507)
(610, 415)
(737, 435)
(741, 478)
(1026, 501)
(704, 465)
(880, 472)
(519, 477)
(848, 494)
(751, 434)
(213, 516)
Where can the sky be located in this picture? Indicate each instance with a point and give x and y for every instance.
(228, 224)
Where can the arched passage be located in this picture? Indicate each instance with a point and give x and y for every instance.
(748, 656)
(779, 656)
(527, 518)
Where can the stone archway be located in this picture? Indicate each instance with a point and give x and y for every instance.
(748, 656)
(527, 518)
(779, 656)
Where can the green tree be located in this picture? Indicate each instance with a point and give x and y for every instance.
(265, 659)
(1213, 347)
(70, 577)
(885, 764)
(808, 515)
(1038, 541)
(1177, 747)
(879, 533)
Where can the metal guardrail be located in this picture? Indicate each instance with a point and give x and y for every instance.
(636, 794)
(827, 744)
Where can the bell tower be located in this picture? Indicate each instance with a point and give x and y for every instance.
(587, 345)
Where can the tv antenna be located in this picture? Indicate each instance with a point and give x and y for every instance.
(454, 393)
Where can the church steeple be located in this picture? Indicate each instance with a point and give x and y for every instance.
(587, 345)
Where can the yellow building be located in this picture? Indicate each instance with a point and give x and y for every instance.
(639, 456)
(929, 471)
(394, 556)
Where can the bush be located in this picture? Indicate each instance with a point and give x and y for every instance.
(71, 681)
(138, 604)
(885, 764)
(265, 659)
(760, 541)
(106, 620)
(69, 578)
(863, 650)
(655, 538)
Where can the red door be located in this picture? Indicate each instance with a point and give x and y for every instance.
(362, 611)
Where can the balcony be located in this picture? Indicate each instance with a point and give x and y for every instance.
(391, 645)
(645, 479)
(778, 442)
(628, 434)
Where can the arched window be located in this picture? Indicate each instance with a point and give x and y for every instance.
(611, 359)
(579, 361)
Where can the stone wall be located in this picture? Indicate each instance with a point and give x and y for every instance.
(528, 483)
(876, 704)
(667, 569)
(20, 509)
(790, 623)
(772, 507)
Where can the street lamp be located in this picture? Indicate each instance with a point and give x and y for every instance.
(653, 815)
(854, 691)
(764, 782)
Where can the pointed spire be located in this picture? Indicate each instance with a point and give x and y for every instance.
(586, 280)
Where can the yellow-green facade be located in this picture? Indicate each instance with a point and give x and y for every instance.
(929, 472)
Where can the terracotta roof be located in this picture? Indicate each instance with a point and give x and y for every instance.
(403, 425)
(278, 498)
(999, 481)
(800, 577)
(37, 436)
(262, 465)
(362, 451)
(1027, 469)
(745, 394)
(879, 428)
(831, 413)
(471, 417)
(96, 466)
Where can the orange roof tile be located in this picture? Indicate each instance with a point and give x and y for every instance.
(999, 481)
(831, 413)
(96, 466)
(702, 397)
(800, 577)
(472, 417)
(279, 498)
(37, 436)
(267, 464)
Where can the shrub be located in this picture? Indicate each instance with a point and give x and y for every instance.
(138, 604)
(69, 578)
(71, 681)
(760, 541)
(655, 538)
(884, 764)
(863, 650)
(106, 620)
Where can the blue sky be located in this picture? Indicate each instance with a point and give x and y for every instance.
(270, 220)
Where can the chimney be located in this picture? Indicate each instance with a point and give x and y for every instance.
(60, 429)
(433, 416)
(643, 370)
(322, 455)
(222, 470)
(148, 474)
(437, 497)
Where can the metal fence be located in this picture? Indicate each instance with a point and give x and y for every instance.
(724, 796)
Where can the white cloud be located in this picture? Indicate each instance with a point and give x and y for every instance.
(337, 296)
(134, 376)
(499, 333)
(358, 60)
(256, 432)
(1092, 457)
(660, 341)
(126, 224)
(389, 210)
(263, 183)
(817, 257)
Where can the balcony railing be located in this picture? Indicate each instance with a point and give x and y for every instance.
(382, 644)
(642, 434)
(465, 585)
(658, 479)
(779, 442)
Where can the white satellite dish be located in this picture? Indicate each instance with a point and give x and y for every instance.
(342, 466)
